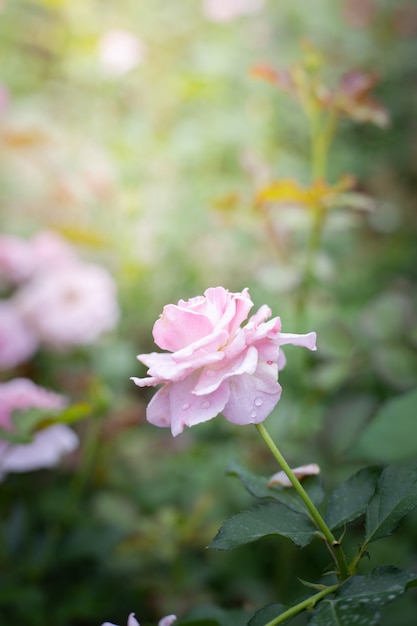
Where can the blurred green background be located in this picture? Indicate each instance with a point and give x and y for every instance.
(136, 131)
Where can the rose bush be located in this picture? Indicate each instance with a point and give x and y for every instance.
(216, 366)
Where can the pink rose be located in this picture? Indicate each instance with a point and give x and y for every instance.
(16, 260)
(216, 366)
(70, 305)
(49, 249)
(20, 259)
(132, 621)
(17, 341)
(49, 443)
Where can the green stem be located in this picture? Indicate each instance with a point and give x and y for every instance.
(334, 545)
(309, 603)
(308, 273)
(323, 128)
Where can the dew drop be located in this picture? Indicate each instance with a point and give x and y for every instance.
(269, 362)
(258, 402)
(186, 406)
(253, 414)
(206, 404)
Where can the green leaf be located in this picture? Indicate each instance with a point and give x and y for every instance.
(349, 500)
(258, 486)
(395, 496)
(384, 584)
(261, 521)
(392, 434)
(332, 613)
(15, 437)
(73, 413)
(26, 422)
(358, 599)
(265, 615)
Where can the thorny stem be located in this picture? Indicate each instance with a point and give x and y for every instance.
(334, 546)
(309, 603)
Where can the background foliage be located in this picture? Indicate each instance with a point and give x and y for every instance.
(153, 174)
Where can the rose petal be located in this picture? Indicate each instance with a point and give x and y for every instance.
(212, 342)
(177, 328)
(251, 399)
(158, 409)
(132, 621)
(189, 409)
(167, 621)
(236, 309)
(307, 341)
(280, 478)
(163, 368)
(211, 378)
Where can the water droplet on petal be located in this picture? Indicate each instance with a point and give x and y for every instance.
(186, 406)
(269, 362)
(258, 402)
(253, 414)
(206, 404)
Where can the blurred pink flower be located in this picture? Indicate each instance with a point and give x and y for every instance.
(120, 52)
(226, 10)
(16, 261)
(49, 443)
(17, 341)
(71, 305)
(49, 249)
(215, 366)
(20, 258)
(132, 621)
